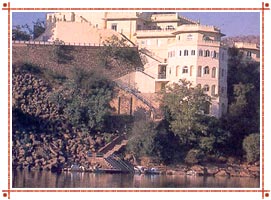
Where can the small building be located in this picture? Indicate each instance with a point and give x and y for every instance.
(250, 50)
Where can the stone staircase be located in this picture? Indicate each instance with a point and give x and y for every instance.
(138, 95)
(113, 161)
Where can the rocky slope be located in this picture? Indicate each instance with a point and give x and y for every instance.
(42, 138)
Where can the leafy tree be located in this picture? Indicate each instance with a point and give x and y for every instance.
(26, 33)
(37, 30)
(141, 140)
(197, 132)
(251, 145)
(184, 107)
(84, 99)
(244, 99)
(61, 53)
(18, 33)
(167, 145)
(117, 50)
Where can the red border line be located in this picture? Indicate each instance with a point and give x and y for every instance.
(137, 190)
(8, 8)
(208, 9)
(9, 122)
(263, 4)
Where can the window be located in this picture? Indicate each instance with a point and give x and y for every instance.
(206, 108)
(249, 54)
(191, 70)
(213, 72)
(206, 88)
(158, 42)
(114, 27)
(199, 71)
(206, 70)
(185, 52)
(200, 52)
(207, 53)
(179, 37)
(193, 52)
(213, 90)
(180, 53)
(177, 70)
(189, 37)
(214, 54)
(185, 70)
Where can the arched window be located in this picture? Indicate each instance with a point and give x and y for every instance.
(200, 52)
(177, 70)
(214, 54)
(206, 70)
(185, 70)
(199, 71)
(193, 52)
(206, 88)
(213, 72)
(206, 108)
(180, 53)
(207, 53)
(191, 70)
(213, 90)
(185, 52)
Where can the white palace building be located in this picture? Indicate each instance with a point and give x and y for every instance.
(176, 48)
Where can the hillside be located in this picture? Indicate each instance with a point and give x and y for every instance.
(242, 38)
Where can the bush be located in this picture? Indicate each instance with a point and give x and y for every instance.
(194, 156)
(251, 145)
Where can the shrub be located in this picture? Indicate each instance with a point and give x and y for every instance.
(251, 145)
(194, 156)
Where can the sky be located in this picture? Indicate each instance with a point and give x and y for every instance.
(230, 23)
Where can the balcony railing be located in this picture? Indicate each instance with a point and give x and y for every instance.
(162, 76)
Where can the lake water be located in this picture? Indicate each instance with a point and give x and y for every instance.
(44, 179)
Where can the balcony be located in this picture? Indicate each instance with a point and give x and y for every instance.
(162, 76)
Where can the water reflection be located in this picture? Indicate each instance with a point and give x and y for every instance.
(44, 179)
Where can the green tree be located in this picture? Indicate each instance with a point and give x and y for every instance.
(18, 33)
(117, 50)
(197, 132)
(251, 145)
(141, 139)
(244, 99)
(184, 107)
(37, 30)
(84, 99)
(61, 53)
(26, 33)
